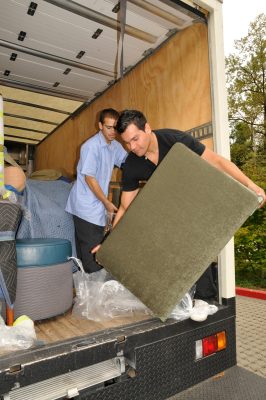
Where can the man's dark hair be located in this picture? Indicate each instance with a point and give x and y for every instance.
(128, 117)
(108, 113)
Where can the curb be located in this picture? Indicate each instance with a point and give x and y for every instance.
(257, 294)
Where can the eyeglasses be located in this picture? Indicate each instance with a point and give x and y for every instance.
(109, 127)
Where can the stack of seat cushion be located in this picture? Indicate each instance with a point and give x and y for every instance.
(44, 278)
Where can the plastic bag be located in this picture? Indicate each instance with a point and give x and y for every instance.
(183, 309)
(116, 300)
(17, 337)
(201, 310)
(197, 310)
(87, 288)
(99, 297)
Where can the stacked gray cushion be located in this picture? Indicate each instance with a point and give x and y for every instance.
(177, 225)
(44, 279)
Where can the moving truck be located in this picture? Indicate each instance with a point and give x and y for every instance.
(60, 65)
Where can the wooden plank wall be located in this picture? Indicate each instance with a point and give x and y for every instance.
(171, 87)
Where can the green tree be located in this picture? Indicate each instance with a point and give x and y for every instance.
(241, 145)
(246, 81)
(250, 240)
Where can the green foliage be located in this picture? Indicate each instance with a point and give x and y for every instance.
(241, 146)
(250, 251)
(250, 240)
(246, 81)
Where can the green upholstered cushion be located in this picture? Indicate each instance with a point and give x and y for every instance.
(177, 225)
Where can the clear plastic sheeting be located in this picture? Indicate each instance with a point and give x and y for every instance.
(21, 336)
(184, 308)
(99, 297)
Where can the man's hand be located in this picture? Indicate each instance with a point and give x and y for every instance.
(110, 207)
(259, 192)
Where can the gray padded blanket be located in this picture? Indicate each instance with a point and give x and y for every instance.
(44, 216)
(10, 215)
(176, 226)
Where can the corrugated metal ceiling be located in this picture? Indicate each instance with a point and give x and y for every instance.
(52, 60)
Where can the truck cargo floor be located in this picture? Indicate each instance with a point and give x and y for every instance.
(68, 326)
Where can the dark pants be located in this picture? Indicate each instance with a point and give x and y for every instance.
(87, 236)
(206, 286)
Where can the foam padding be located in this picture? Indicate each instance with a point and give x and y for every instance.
(176, 226)
(40, 252)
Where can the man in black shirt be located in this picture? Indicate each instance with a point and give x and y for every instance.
(148, 148)
(140, 168)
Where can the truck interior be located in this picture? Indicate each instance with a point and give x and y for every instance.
(63, 61)
(59, 58)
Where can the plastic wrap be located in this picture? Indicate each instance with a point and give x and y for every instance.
(99, 297)
(197, 310)
(201, 310)
(183, 309)
(21, 336)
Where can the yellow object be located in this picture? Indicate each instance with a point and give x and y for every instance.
(6, 194)
(21, 319)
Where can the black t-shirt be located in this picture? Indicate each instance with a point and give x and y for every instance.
(138, 168)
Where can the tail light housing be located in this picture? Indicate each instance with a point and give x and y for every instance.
(210, 345)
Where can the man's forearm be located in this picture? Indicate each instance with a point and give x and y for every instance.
(231, 169)
(119, 215)
(97, 190)
(126, 200)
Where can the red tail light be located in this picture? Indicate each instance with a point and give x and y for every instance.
(210, 345)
